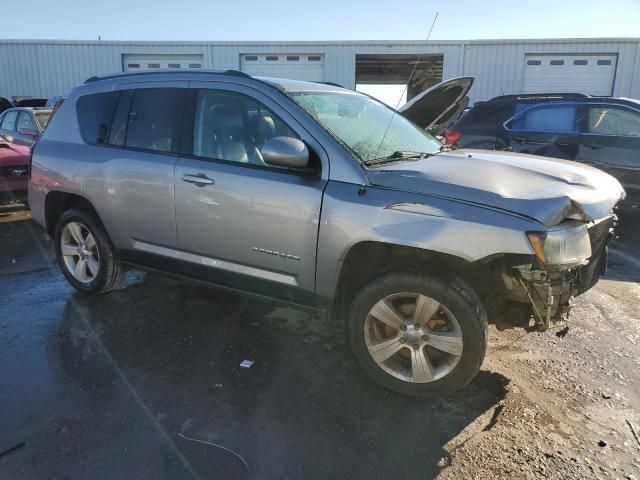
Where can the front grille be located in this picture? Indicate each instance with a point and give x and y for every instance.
(599, 234)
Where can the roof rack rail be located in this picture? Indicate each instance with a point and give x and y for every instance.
(526, 96)
(234, 73)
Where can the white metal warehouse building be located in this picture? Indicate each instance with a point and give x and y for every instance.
(45, 68)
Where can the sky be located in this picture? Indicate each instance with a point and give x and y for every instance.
(319, 20)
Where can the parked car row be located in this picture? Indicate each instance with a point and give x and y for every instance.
(20, 129)
(27, 102)
(600, 131)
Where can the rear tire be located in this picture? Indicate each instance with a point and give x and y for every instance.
(85, 254)
(429, 354)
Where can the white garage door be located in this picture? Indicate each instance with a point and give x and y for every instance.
(133, 63)
(590, 74)
(298, 66)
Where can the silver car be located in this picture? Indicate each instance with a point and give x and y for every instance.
(316, 195)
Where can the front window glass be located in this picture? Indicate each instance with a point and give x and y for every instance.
(361, 122)
(233, 127)
(25, 122)
(605, 120)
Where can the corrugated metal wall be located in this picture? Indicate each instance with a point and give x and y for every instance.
(47, 68)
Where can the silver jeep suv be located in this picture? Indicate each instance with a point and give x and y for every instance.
(320, 196)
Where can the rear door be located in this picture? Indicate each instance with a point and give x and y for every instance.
(129, 175)
(550, 130)
(610, 140)
(246, 225)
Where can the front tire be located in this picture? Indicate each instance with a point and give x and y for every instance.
(418, 334)
(85, 254)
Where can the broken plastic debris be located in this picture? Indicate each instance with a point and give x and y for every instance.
(246, 363)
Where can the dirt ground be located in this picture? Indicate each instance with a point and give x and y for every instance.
(115, 387)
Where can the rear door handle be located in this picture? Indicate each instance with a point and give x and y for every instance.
(200, 179)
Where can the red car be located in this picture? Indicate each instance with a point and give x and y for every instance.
(20, 129)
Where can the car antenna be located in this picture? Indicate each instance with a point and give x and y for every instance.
(405, 88)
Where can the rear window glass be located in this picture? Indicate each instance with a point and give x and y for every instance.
(154, 119)
(43, 120)
(90, 110)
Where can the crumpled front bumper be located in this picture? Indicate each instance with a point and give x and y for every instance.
(551, 292)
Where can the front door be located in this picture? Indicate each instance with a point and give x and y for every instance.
(243, 223)
(610, 140)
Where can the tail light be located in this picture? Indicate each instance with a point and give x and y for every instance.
(451, 138)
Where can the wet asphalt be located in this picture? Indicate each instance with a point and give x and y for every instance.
(146, 382)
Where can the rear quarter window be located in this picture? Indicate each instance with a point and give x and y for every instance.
(484, 118)
(91, 111)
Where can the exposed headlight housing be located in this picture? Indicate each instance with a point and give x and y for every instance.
(566, 244)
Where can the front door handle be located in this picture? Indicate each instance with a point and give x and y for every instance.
(200, 179)
(520, 139)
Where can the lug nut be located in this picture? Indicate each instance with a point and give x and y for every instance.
(424, 337)
(416, 326)
(403, 328)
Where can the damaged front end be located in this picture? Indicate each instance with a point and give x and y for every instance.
(569, 261)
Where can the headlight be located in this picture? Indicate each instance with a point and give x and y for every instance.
(565, 244)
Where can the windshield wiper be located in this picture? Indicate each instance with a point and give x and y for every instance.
(397, 155)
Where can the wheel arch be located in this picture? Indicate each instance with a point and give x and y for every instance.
(57, 202)
(369, 259)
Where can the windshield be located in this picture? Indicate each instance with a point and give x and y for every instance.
(360, 122)
(43, 120)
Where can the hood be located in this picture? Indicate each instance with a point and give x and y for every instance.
(436, 105)
(545, 189)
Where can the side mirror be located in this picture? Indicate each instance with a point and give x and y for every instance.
(27, 131)
(285, 152)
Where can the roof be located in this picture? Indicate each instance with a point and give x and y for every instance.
(546, 98)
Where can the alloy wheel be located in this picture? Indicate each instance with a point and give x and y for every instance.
(80, 252)
(413, 337)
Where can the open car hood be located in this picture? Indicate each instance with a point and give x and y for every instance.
(547, 190)
(436, 105)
